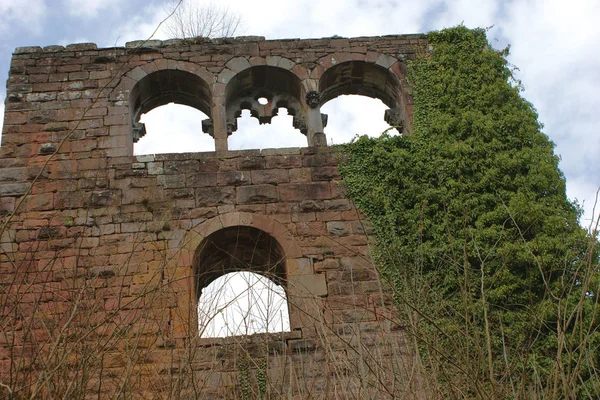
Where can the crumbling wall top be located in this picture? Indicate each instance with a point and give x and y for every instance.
(416, 37)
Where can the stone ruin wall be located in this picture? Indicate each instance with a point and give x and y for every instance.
(103, 252)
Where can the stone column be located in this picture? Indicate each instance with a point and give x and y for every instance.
(219, 120)
(219, 123)
(314, 120)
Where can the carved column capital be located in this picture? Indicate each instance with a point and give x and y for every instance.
(395, 118)
(139, 130)
(208, 127)
(313, 99)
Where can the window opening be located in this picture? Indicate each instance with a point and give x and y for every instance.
(240, 282)
(273, 97)
(351, 115)
(173, 128)
(366, 98)
(242, 303)
(251, 134)
(159, 99)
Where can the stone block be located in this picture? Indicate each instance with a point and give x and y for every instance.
(320, 160)
(155, 168)
(171, 181)
(12, 174)
(181, 166)
(15, 118)
(201, 179)
(300, 175)
(206, 197)
(309, 205)
(233, 178)
(285, 161)
(38, 202)
(386, 61)
(337, 205)
(309, 228)
(249, 163)
(302, 346)
(104, 198)
(238, 64)
(7, 205)
(270, 176)
(299, 266)
(308, 285)
(303, 191)
(225, 76)
(256, 194)
(337, 228)
(81, 46)
(13, 189)
(325, 173)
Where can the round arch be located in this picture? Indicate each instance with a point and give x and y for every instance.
(160, 82)
(285, 264)
(361, 78)
(238, 248)
(194, 237)
(279, 86)
(383, 80)
(169, 86)
(163, 87)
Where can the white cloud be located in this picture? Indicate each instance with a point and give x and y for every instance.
(554, 45)
(585, 193)
(90, 8)
(142, 26)
(335, 17)
(17, 15)
(482, 13)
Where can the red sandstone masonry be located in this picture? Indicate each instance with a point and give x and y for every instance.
(113, 239)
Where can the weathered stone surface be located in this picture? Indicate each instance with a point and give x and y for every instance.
(337, 228)
(233, 178)
(300, 191)
(214, 196)
(103, 198)
(13, 189)
(257, 194)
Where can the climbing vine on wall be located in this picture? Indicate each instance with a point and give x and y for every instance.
(493, 275)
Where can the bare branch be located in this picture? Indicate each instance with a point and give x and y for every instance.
(191, 19)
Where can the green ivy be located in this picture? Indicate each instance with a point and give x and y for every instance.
(474, 198)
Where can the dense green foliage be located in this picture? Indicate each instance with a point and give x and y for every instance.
(474, 229)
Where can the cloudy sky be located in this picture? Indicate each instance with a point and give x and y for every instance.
(554, 43)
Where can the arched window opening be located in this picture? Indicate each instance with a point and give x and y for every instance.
(162, 88)
(280, 132)
(273, 96)
(361, 98)
(351, 115)
(242, 303)
(248, 266)
(173, 128)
